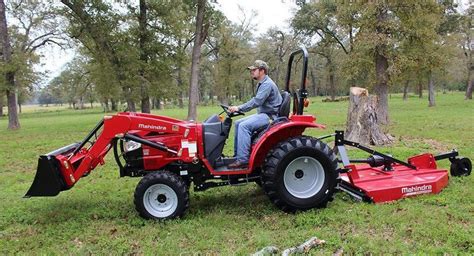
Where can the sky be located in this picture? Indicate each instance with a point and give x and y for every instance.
(269, 12)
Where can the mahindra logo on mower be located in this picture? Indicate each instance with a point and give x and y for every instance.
(152, 127)
(417, 190)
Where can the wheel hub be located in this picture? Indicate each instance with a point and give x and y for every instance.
(161, 198)
(304, 177)
(299, 174)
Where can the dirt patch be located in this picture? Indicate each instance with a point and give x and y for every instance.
(433, 145)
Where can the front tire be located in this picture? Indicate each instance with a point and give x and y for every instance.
(300, 174)
(161, 195)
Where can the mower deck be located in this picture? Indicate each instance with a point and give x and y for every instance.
(380, 186)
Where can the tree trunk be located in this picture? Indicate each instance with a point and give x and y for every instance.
(211, 95)
(1, 104)
(142, 20)
(313, 83)
(332, 86)
(13, 122)
(468, 52)
(81, 103)
(113, 104)
(381, 67)
(405, 90)
(362, 125)
(145, 103)
(431, 90)
(159, 106)
(130, 102)
(469, 90)
(470, 84)
(196, 59)
(381, 88)
(420, 89)
(106, 105)
(180, 87)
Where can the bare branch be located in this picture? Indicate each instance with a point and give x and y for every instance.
(44, 42)
(190, 40)
(333, 35)
(32, 42)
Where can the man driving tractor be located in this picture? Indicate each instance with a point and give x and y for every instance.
(267, 100)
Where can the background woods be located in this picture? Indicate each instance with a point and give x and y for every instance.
(139, 56)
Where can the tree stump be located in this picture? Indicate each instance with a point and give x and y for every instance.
(362, 124)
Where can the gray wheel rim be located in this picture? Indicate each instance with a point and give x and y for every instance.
(160, 200)
(304, 177)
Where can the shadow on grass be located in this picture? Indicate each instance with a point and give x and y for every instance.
(245, 201)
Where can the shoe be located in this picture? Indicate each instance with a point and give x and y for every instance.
(238, 164)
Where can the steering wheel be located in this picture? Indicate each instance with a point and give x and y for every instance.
(231, 114)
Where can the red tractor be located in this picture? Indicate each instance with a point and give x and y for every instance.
(297, 172)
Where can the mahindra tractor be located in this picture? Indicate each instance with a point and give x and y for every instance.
(296, 171)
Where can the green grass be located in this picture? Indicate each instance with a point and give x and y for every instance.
(97, 216)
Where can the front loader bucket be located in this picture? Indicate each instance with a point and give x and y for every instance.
(48, 179)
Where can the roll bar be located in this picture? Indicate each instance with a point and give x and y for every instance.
(301, 94)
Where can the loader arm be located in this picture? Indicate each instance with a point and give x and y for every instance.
(60, 169)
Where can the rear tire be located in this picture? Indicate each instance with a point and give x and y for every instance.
(300, 174)
(161, 195)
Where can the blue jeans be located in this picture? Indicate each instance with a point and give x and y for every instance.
(243, 131)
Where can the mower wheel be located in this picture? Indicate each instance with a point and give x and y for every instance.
(161, 195)
(461, 167)
(300, 174)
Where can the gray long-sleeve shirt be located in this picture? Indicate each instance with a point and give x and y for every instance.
(267, 99)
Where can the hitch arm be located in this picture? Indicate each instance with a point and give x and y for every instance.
(88, 137)
(450, 155)
(340, 142)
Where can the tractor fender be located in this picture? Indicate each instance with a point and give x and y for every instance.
(276, 134)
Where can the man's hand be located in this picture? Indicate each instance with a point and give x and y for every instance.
(233, 109)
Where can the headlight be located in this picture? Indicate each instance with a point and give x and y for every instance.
(131, 145)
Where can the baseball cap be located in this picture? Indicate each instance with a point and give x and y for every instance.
(259, 64)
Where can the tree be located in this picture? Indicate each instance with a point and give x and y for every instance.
(9, 73)
(321, 19)
(423, 42)
(35, 24)
(97, 27)
(467, 47)
(381, 62)
(274, 47)
(227, 55)
(144, 38)
(376, 35)
(200, 36)
(1, 102)
(156, 37)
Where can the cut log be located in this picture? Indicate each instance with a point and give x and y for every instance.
(362, 124)
(304, 247)
(269, 250)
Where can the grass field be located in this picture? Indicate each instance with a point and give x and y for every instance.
(97, 216)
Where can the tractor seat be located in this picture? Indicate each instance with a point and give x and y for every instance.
(283, 113)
